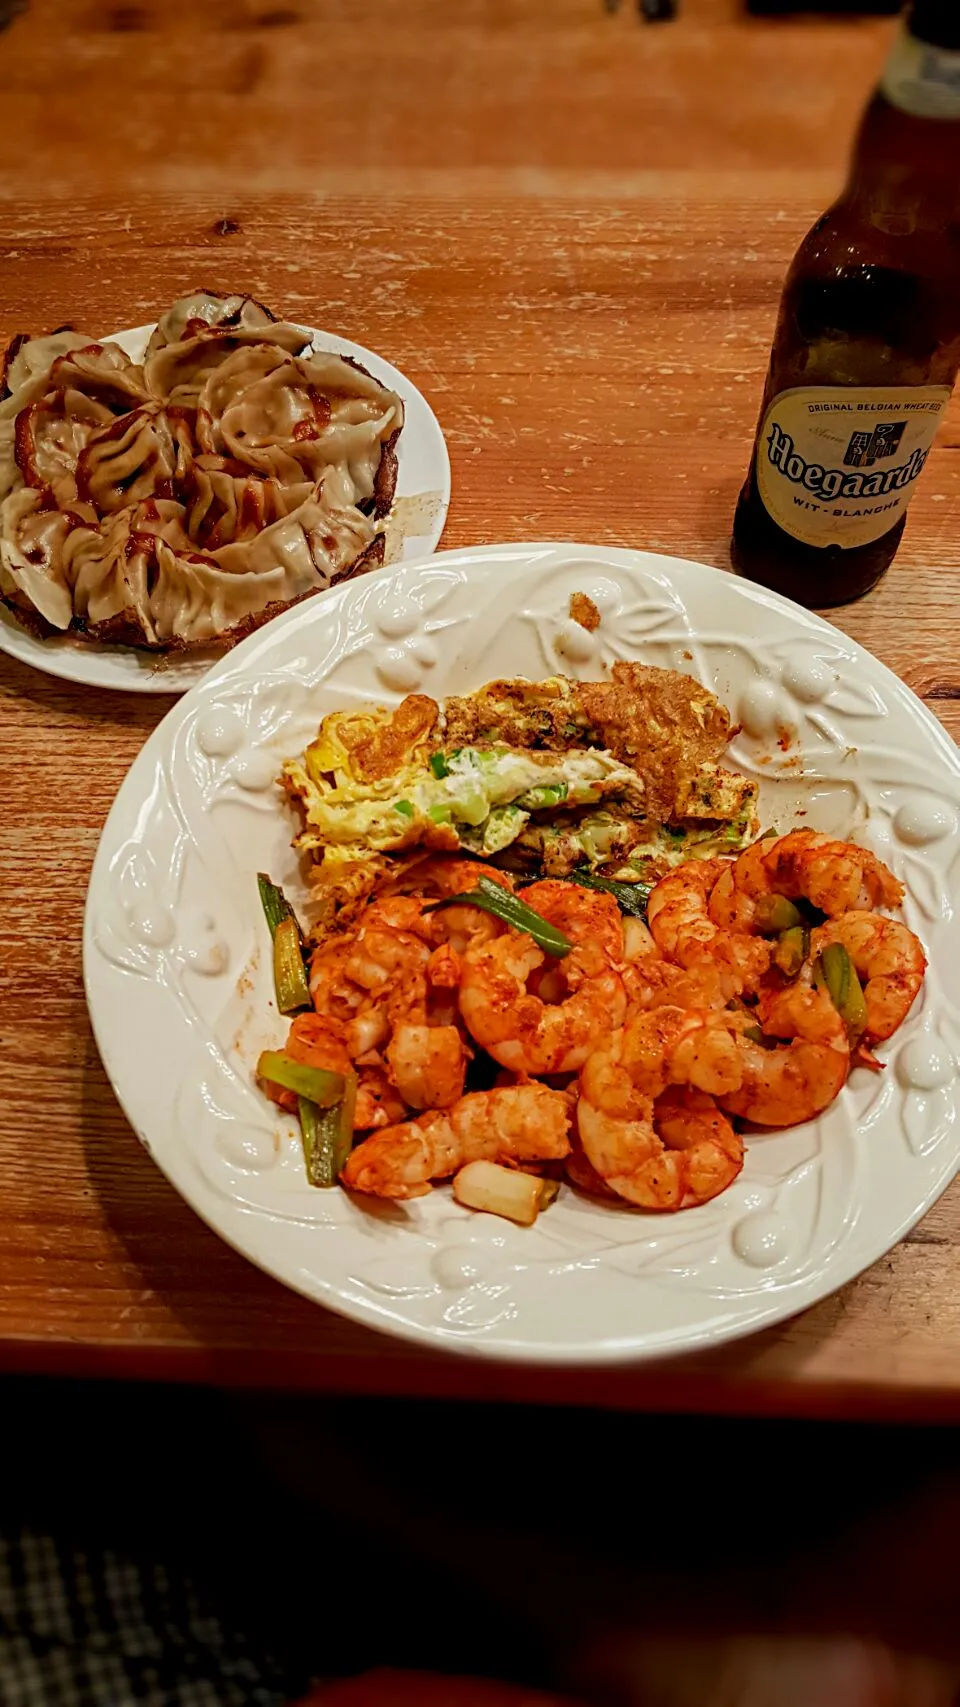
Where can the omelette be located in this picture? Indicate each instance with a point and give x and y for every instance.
(622, 776)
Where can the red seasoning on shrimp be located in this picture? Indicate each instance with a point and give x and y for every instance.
(555, 994)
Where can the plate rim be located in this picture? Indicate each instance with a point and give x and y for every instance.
(611, 1352)
(18, 643)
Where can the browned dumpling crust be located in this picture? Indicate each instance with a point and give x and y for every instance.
(182, 500)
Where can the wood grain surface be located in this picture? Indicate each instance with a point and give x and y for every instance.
(570, 230)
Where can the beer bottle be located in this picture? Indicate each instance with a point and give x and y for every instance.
(867, 344)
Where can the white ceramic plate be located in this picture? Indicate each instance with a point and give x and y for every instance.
(180, 985)
(413, 529)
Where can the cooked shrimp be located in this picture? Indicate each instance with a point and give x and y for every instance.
(584, 915)
(638, 943)
(643, 981)
(797, 1079)
(651, 981)
(367, 1031)
(677, 909)
(646, 975)
(734, 896)
(316, 1042)
(889, 961)
(582, 1174)
(333, 992)
(427, 1064)
(659, 1151)
(384, 974)
(685, 1116)
(836, 877)
(382, 956)
(656, 983)
(520, 1123)
(551, 1028)
(398, 913)
(354, 991)
(444, 968)
(378, 1102)
(350, 976)
(680, 1046)
(442, 876)
(710, 1151)
(460, 926)
(684, 932)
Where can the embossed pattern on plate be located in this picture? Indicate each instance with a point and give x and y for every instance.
(180, 988)
(413, 528)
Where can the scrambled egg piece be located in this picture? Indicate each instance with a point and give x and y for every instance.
(625, 849)
(666, 726)
(373, 746)
(478, 798)
(621, 775)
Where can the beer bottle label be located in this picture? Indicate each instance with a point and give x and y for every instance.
(921, 79)
(836, 465)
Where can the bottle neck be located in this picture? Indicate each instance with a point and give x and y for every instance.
(922, 74)
(905, 171)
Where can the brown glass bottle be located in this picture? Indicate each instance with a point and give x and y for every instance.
(867, 344)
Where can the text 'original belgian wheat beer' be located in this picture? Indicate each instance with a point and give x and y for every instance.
(867, 344)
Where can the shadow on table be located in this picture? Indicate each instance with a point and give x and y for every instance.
(715, 520)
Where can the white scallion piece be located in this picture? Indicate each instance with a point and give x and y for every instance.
(503, 1191)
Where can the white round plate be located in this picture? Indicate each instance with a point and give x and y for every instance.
(413, 528)
(179, 979)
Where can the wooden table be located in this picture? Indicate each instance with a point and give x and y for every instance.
(571, 231)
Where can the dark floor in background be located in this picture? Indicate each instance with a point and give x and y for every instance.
(337, 1535)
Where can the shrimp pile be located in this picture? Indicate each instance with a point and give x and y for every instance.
(629, 1064)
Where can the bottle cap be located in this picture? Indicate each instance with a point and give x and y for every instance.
(936, 22)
